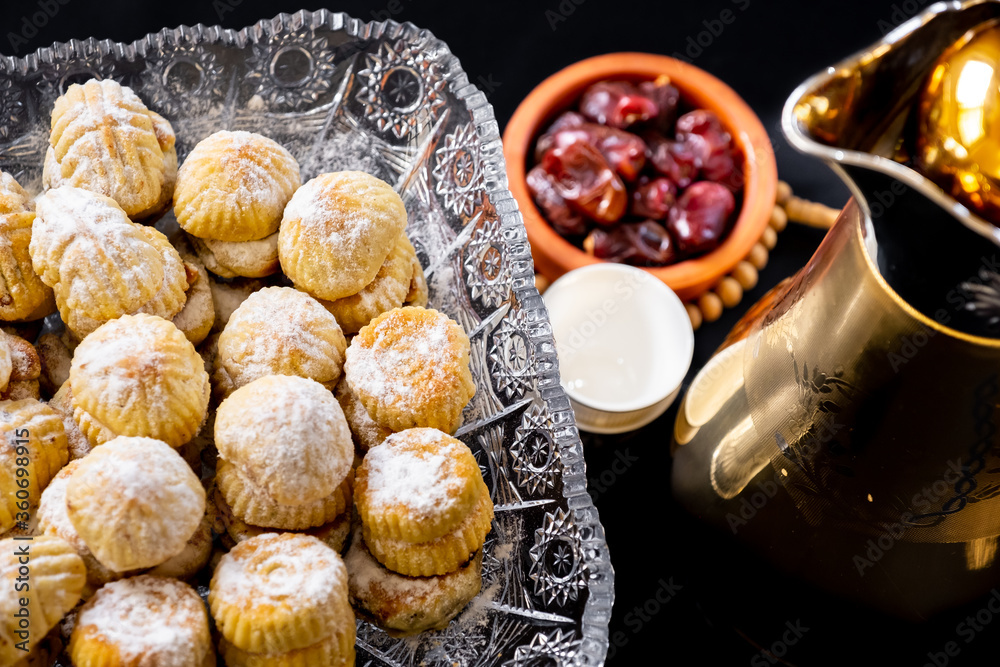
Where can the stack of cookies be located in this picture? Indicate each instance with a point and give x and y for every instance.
(425, 513)
(342, 240)
(285, 458)
(230, 195)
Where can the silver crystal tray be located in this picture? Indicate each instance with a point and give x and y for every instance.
(391, 100)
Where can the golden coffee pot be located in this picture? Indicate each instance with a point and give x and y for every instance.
(849, 427)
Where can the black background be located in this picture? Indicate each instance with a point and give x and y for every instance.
(508, 48)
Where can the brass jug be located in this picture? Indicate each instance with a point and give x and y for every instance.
(849, 427)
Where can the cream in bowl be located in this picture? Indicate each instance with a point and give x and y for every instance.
(624, 342)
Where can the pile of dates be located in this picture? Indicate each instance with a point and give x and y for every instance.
(634, 176)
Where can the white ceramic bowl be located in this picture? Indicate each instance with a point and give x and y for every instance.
(624, 342)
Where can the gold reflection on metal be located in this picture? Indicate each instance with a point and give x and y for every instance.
(958, 142)
(980, 554)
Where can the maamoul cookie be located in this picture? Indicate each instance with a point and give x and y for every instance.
(280, 331)
(55, 357)
(25, 369)
(337, 230)
(135, 503)
(100, 264)
(333, 534)
(277, 593)
(254, 505)
(234, 186)
(143, 621)
(62, 402)
(196, 318)
(335, 651)
(410, 367)
(233, 259)
(196, 552)
(288, 436)
(53, 519)
(105, 140)
(229, 294)
(138, 375)
(56, 579)
(32, 441)
(22, 291)
(418, 294)
(366, 432)
(423, 504)
(407, 605)
(387, 291)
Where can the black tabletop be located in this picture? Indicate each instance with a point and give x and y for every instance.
(683, 594)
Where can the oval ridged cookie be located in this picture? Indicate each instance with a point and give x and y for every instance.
(104, 139)
(33, 448)
(21, 289)
(96, 260)
(233, 186)
(56, 580)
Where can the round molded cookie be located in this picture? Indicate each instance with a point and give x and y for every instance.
(233, 259)
(287, 435)
(387, 291)
(410, 367)
(280, 592)
(280, 331)
(255, 506)
(135, 503)
(418, 485)
(405, 605)
(139, 375)
(140, 621)
(366, 432)
(337, 230)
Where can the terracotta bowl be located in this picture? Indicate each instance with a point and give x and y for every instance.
(554, 255)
